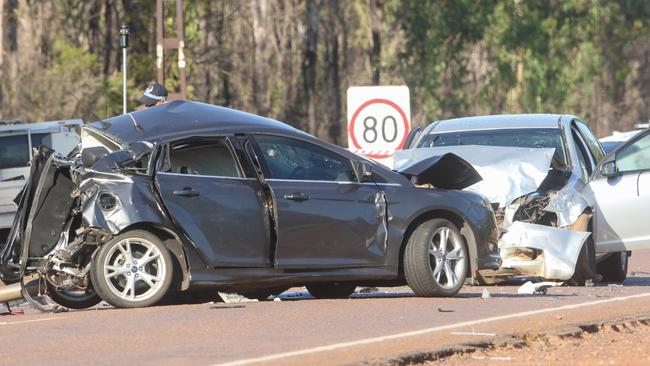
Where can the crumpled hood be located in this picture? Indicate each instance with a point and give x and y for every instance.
(507, 172)
(446, 171)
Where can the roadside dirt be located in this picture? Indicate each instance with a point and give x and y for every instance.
(618, 343)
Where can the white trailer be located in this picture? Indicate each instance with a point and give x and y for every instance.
(17, 143)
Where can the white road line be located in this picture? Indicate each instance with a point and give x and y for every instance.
(28, 321)
(360, 342)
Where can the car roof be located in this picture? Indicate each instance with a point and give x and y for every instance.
(182, 118)
(493, 122)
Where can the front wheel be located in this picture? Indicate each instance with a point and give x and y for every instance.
(614, 268)
(132, 270)
(435, 259)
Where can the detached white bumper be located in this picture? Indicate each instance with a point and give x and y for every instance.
(558, 250)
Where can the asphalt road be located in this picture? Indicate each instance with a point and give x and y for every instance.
(300, 330)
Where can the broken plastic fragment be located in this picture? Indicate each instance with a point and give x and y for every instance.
(540, 288)
(485, 294)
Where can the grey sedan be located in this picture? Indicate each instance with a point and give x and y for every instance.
(190, 197)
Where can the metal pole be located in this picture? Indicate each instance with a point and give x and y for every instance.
(124, 43)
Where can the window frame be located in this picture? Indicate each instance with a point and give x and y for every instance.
(165, 156)
(587, 136)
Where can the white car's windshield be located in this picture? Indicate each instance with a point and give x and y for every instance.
(523, 137)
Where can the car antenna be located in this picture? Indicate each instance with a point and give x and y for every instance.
(135, 123)
(79, 101)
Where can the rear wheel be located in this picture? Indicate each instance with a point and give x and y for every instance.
(435, 259)
(614, 268)
(74, 299)
(331, 290)
(132, 270)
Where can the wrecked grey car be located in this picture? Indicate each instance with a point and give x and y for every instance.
(188, 196)
(537, 171)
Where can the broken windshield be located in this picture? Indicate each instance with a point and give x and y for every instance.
(522, 137)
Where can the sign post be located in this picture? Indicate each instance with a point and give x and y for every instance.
(379, 120)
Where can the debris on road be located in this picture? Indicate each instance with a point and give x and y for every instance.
(441, 310)
(230, 298)
(368, 290)
(485, 294)
(530, 288)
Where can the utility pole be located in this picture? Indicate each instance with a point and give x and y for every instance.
(124, 43)
(177, 42)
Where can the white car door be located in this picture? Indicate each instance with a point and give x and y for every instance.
(621, 188)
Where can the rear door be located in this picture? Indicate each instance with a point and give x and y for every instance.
(221, 210)
(325, 217)
(622, 200)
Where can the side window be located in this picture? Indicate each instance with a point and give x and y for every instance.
(635, 156)
(585, 163)
(203, 158)
(592, 143)
(14, 151)
(287, 158)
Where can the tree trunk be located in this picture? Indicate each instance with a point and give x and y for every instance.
(310, 63)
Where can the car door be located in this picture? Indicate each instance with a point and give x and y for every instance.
(325, 217)
(220, 209)
(621, 189)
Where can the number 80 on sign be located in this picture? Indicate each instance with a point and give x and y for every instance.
(378, 128)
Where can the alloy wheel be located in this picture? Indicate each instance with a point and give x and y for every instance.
(134, 269)
(446, 256)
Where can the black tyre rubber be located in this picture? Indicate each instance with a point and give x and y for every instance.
(100, 282)
(614, 268)
(417, 264)
(331, 290)
(73, 300)
(586, 264)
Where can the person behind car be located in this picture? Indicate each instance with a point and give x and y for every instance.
(155, 94)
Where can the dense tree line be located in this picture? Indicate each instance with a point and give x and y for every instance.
(294, 59)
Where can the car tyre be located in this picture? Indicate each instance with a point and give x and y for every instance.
(73, 300)
(331, 290)
(614, 268)
(435, 259)
(586, 264)
(132, 270)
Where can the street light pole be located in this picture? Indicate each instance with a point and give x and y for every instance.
(124, 43)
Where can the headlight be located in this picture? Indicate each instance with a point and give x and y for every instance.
(107, 201)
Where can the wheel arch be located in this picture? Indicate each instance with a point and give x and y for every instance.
(172, 242)
(463, 227)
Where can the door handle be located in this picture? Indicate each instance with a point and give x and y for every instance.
(186, 192)
(296, 196)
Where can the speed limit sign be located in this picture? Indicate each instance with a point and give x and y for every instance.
(378, 120)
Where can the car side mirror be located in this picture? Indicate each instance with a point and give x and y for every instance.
(90, 155)
(609, 169)
(363, 170)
